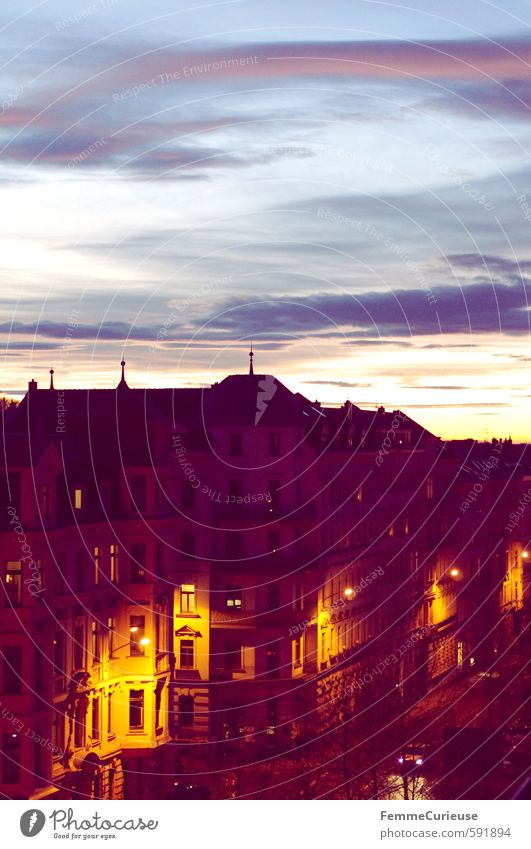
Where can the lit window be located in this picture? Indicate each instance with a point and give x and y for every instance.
(233, 598)
(95, 636)
(429, 488)
(78, 499)
(44, 501)
(13, 582)
(186, 654)
(136, 710)
(96, 559)
(113, 553)
(95, 734)
(297, 652)
(137, 626)
(187, 598)
(109, 715)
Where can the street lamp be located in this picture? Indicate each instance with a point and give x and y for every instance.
(144, 641)
(455, 573)
(348, 592)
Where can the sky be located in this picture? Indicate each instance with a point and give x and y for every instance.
(345, 184)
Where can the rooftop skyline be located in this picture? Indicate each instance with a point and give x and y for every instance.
(350, 192)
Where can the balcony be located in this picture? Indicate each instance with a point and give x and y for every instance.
(233, 618)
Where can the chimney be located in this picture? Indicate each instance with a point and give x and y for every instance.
(32, 386)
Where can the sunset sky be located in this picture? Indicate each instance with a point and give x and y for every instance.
(346, 183)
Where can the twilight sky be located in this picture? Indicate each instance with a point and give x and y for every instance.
(347, 183)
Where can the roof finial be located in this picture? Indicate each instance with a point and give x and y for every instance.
(51, 378)
(122, 381)
(251, 355)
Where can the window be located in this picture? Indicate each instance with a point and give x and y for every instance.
(236, 444)
(233, 655)
(44, 501)
(10, 758)
(79, 646)
(186, 654)
(95, 639)
(272, 660)
(158, 704)
(137, 628)
(96, 559)
(113, 553)
(186, 711)
(138, 562)
(58, 734)
(111, 624)
(138, 491)
(429, 488)
(79, 577)
(235, 491)
(109, 715)
(13, 582)
(296, 645)
(273, 542)
(273, 488)
(12, 670)
(187, 545)
(59, 653)
(95, 733)
(273, 597)
(234, 598)
(298, 597)
(187, 496)
(80, 719)
(136, 710)
(274, 444)
(233, 544)
(78, 499)
(187, 598)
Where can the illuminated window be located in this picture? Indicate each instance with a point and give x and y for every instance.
(109, 715)
(187, 598)
(186, 654)
(95, 637)
(12, 670)
(137, 628)
(96, 559)
(58, 733)
(235, 444)
(297, 651)
(13, 583)
(95, 732)
(78, 499)
(233, 598)
(11, 752)
(113, 553)
(359, 494)
(136, 710)
(429, 488)
(111, 624)
(80, 720)
(186, 711)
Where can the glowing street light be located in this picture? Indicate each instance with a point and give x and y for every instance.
(525, 554)
(455, 572)
(348, 592)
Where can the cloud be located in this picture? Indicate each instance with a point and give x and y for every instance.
(341, 383)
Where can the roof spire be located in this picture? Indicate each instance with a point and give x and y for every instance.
(123, 383)
(251, 355)
(51, 378)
